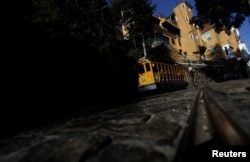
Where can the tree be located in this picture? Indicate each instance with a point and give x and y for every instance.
(137, 17)
(218, 52)
(161, 53)
(86, 21)
(223, 13)
(66, 45)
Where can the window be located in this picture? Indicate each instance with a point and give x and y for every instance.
(203, 37)
(160, 67)
(161, 39)
(226, 50)
(211, 49)
(141, 69)
(147, 67)
(179, 41)
(191, 37)
(208, 36)
(172, 40)
(187, 18)
(183, 5)
(154, 68)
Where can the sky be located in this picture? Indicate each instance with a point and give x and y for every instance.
(165, 7)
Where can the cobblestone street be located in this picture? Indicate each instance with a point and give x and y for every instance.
(146, 130)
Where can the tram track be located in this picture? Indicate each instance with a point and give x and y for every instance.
(176, 126)
(208, 126)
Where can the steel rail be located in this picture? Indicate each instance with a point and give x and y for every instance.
(187, 139)
(228, 130)
(223, 131)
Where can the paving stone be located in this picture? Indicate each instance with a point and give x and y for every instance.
(147, 130)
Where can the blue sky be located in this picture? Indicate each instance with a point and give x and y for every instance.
(165, 7)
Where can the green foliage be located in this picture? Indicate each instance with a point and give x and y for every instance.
(161, 54)
(71, 47)
(223, 13)
(172, 17)
(218, 52)
(95, 23)
(137, 17)
(77, 47)
(66, 18)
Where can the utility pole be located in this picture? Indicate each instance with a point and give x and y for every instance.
(144, 47)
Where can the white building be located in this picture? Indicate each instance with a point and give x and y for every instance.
(244, 50)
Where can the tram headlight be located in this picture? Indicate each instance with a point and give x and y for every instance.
(142, 79)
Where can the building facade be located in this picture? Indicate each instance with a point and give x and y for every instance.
(206, 43)
(190, 43)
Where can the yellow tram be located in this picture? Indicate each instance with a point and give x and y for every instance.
(156, 76)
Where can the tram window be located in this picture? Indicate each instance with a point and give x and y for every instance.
(141, 68)
(147, 67)
(170, 69)
(160, 67)
(155, 68)
(164, 68)
(167, 69)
